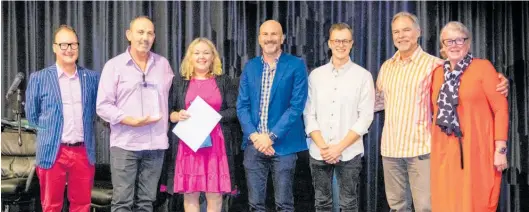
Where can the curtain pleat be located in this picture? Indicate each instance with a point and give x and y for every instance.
(500, 34)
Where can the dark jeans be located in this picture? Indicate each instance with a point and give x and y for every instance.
(347, 176)
(135, 176)
(257, 166)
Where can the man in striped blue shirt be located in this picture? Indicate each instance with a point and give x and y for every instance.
(60, 103)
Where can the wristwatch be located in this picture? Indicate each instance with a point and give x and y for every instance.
(273, 136)
(502, 150)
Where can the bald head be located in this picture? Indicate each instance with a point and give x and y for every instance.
(270, 39)
(140, 18)
(271, 26)
(141, 35)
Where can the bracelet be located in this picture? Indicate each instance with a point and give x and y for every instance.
(501, 150)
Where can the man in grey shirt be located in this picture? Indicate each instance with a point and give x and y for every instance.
(338, 113)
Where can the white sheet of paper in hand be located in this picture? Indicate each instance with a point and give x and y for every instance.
(199, 125)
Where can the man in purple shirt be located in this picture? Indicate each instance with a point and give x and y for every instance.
(132, 97)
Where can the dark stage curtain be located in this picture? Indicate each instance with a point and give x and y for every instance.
(500, 33)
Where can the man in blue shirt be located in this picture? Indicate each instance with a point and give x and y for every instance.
(272, 95)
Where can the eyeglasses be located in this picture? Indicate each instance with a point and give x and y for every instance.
(64, 46)
(338, 42)
(457, 41)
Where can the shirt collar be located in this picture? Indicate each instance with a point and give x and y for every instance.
(345, 66)
(129, 60)
(413, 58)
(277, 58)
(60, 72)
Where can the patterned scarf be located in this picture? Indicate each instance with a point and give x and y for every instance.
(448, 99)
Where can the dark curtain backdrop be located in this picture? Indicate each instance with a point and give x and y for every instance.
(500, 33)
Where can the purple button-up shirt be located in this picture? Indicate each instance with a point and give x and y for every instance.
(72, 107)
(124, 92)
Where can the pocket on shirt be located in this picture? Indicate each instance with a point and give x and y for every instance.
(129, 83)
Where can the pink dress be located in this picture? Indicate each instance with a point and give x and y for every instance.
(206, 170)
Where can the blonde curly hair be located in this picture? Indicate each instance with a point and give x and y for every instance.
(187, 68)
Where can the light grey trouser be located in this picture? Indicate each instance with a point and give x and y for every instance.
(405, 175)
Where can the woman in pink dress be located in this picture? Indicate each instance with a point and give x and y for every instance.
(210, 168)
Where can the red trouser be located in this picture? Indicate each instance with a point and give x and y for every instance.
(72, 164)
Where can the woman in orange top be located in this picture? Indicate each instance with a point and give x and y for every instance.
(469, 129)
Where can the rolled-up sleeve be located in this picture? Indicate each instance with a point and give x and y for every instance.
(107, 96)
(365, 107)
(309, 114)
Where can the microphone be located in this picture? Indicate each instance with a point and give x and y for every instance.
(15, 84)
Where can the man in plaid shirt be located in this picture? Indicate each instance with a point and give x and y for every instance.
(272, 95)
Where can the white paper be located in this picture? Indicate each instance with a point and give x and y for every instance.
(203, 118)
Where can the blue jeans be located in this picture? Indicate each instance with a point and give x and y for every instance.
(135, 176)
(257, 166)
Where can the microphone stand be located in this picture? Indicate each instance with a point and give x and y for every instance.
(18, 112)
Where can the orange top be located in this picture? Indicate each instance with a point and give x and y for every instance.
(483, 116)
